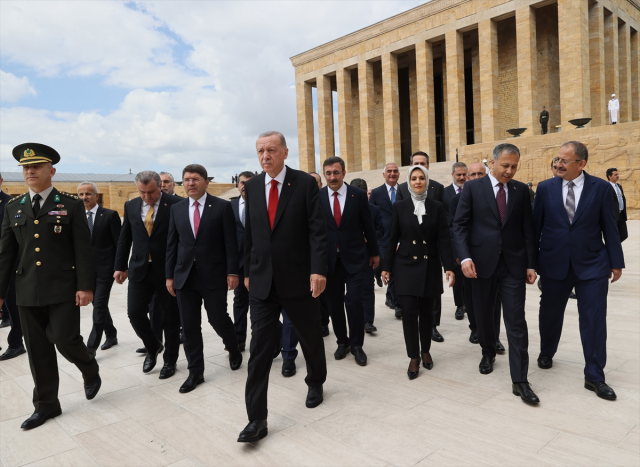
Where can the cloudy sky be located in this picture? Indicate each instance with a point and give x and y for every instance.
(115, 85)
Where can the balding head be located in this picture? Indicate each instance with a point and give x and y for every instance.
(477, 170)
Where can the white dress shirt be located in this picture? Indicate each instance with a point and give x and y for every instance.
(44, 194)
(342, 197)
(389, 189)
(577, 189)
(94, 210)
(192, 209)
(616, 188)
(241, 207)
(145, 209)
(267, 183)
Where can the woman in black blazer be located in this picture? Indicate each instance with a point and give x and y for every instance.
(419, 228)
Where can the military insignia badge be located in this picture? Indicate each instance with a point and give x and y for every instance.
(59, 205)
(24, 200)
(57, 228)
(57, 213)
(56, 198)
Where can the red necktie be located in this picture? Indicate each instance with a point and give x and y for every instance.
(501, 200)
(273, 202)
(337, 215)
(196, 218)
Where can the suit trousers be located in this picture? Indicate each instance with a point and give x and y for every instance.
(417, 323)
(391, 286)
(352, 302)
(468, 303)
(11, 313)
(369, 296)
(304, 314)
(458, 286)
(592, 313)
(47, 328)
(289, 338)
(437, 310)
(138, 300)
(544, 128)
(190, 298)
(240, 308)
(102, 321)
(324, 308)
(512, 293)
(155, 316)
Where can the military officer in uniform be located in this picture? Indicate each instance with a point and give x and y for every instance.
(47, 232)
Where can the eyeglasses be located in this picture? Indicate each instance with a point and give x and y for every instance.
(335, 173)
(565, 162)
(188, 181)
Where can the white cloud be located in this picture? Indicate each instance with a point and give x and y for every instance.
(12, 88)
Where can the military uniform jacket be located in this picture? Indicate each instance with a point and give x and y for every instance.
(53, 250)
(544, 116)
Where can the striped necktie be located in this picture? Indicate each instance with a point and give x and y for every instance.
(90, 221)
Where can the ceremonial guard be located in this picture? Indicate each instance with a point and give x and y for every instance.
(544, 120)
(47, 232)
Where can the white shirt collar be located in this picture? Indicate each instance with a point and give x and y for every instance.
(44, 194)
(279, 178)
(156, 204)
(578, 181)
(342, 191)
(240, 200)
(201, 201)
(389, 187)
(613, 184)
(94, 210)
(494, 181)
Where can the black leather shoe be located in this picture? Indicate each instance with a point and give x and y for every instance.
(4, 324)
(413, 374)
(278, 348)
(192, 381)
(459, 312)
(314, 397)
(369, 328)
(167, 371)
(151, 359)
(486, 365)
(141, 350)
(242, 346)
(601, 389)
(109, 342)
(525, 392)
(545, 362)
(288, 367)
(436, 336)
(92, 386)
(341, 351)
(398, 312)
(473, 338)
(389, 304)
(91, 352)
(235, 360)
(254, 431)
(379, 281)
(427, 364)
(573, 295)
(38, 419)
(359, 355)
(325, 331)
(499, 346)
(13, 353)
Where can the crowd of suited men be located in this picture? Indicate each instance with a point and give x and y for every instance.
(485, 230)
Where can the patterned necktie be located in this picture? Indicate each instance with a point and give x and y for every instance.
(273, 202)
(196, 218)
(620, 202)
(337, 215)
(90, 221)
(570, 204)
(148, 220)
(501, 200)
(244, 216)
(393, 195)
(36, 203)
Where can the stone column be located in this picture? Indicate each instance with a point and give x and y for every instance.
(477, 107)
(635, 75)
(455, 92)
(345, 118)
(597, 70)
(573, 38)
(367, 116)
(624, 61)
(611, 70)
(391, 103)
(325, 118)
(306, 144)
(528, 115)
(426, 103)
(489, 71)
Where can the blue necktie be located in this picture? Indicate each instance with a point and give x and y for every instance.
(620, 206)
(243, 217)
(393, 195)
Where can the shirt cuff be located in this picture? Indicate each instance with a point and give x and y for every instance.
(466, 259)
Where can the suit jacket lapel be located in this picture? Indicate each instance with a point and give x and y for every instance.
(348, 202)
(206, 209)
(97, 222)
(487, 190)
(264, 212)
(48, 204)
(557, 198)
(324, 200)
(288, 187)
(163, 207)
(511, 199)
(585, 196)
(423, 226)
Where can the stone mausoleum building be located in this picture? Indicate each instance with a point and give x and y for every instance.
(457, 74)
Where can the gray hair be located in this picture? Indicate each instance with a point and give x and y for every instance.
(167, 173)
(93, 185)
(459, 165)
(505, 147)
(266, 134)
(581, 151)
(146, 176)
(388, 164)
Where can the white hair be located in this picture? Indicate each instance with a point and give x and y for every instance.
(93, 185)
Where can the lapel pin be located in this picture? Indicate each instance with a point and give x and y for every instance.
(209, 205)
(165, 204)
(289, 184)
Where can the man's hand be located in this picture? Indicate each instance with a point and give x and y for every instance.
(385, 277)
(318, 283)
(1, 302)
(246, 283)
(232, 282)
(531, 276)
(451, 278)
(120, 276)
(616, 273)
(469, 269)
(83, 297)
(374, 261)
(170, 287)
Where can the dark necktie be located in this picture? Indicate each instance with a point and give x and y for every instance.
(36, 203)
(459, 189)
(501, 200)
(90, 221)
(273, 202)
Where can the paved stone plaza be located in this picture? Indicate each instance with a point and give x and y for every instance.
(371, 415)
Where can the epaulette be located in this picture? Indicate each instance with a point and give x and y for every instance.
(16, 198)
(68, 195)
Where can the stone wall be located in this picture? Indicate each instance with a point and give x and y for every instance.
(508, 76)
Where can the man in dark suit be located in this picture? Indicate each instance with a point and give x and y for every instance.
(240, 293)
(435, 191)
(572, 213)
(286, 258)
(353, 247)
(620, 203)
(493, 233)
(368, 287)
(202, 264)
(145, 228)
(9, 310)
(384, 196)
(104, 225)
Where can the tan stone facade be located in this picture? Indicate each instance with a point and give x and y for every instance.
(456, 74)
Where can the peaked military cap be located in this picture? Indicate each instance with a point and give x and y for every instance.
(35, 153)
